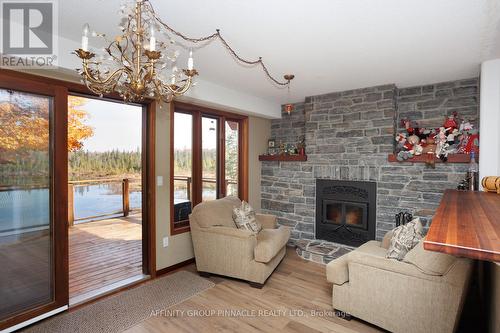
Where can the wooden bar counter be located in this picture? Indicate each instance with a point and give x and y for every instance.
(466, 224)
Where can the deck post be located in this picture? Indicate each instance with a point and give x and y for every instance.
(125, 197)
(71, 205)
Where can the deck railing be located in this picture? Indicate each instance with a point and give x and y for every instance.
(125, 194)
(125, 197)
(189, 182)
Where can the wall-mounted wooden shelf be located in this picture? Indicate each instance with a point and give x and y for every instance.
(283, 158)
(452, 158)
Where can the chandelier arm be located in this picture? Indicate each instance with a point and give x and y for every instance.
(177, 92)
(94, 80)
(184, 88)
(122, 53)
(215, 35)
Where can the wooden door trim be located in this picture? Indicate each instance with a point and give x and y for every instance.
(221, 157)
(15, 80)
(58, 202)
(243, 160)
(149, 180)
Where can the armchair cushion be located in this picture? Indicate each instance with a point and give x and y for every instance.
(216, 212)
(429, 262)
(267, 221)
(371, 254)
(270, 242)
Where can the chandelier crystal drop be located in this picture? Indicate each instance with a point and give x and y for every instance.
(131, 64)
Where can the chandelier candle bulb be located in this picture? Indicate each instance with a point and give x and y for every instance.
(85, 37)
(190, 61)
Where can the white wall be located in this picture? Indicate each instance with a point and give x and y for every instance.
(489, 157)
(259, 132)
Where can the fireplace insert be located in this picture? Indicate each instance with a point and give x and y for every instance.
(345, 211)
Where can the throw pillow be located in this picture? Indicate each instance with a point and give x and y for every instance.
(244, 218)
(404, 238)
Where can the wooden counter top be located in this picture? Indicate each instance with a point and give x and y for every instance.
(466, 224)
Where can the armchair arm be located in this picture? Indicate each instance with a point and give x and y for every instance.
(268, 221)
(337, 271)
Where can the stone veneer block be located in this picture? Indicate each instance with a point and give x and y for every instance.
(348, 137)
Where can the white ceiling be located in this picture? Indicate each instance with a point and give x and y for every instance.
(330, 45)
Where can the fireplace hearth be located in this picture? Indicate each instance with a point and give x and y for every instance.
(345, 211)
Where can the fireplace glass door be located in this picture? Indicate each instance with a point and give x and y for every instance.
(350, 214)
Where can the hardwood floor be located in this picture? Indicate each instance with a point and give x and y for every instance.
(294, 292)
(104, 252)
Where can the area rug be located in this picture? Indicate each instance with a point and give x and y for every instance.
(321, 252)
(126, 309)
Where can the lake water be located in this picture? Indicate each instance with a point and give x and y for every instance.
(21, 209)
(92, 200)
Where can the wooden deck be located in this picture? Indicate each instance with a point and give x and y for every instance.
(102, 253)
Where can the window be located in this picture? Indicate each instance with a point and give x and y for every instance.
(207, 159)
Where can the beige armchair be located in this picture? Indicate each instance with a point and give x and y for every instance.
(423, 293)
(221, 248)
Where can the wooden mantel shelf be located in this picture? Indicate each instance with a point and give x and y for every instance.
(283, 158)
(452, 158)
(466, 224)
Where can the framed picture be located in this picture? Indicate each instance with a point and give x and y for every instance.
(271, 143)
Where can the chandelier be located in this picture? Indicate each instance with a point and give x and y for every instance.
(141, 62)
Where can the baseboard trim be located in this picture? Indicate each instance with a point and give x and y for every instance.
(172, 268)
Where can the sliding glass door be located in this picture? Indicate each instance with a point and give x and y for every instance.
(32, 241)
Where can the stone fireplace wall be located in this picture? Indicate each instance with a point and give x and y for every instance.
(349, 135)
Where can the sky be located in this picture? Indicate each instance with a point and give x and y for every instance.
(116, 126)
(183, 133)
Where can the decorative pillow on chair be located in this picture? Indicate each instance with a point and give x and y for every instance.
(404, 238)
(244, 218)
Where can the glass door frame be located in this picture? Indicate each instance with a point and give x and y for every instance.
(198, 112)
(148, 185)
(59, 89)
(58, 196)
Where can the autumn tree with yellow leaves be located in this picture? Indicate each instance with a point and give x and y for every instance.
(24, 120)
